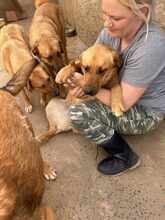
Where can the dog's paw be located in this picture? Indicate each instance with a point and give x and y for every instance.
(117, 109)
(64, 74)
(28, 108)
(49, 172)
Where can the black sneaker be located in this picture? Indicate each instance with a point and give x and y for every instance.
(118, 164)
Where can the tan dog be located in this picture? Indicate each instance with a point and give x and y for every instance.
(14, 53)
(99, 68)
(21, 164)
(46, 34)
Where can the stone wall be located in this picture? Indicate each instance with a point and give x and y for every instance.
(85, 16)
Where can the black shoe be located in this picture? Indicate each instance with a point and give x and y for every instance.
(118, 163)
(122, 156)
(115, 145)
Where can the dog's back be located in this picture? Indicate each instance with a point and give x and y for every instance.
(11, 31)
(46, 32)
(14, 51)
(21, 165)
(52, 13)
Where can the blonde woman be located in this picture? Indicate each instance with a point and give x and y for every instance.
(130, 30)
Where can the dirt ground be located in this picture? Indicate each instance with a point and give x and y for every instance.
(80, 191)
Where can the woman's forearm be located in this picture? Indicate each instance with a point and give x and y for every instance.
(104, 95)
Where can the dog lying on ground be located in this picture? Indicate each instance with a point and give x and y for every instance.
(21, 164)
(99, 68)
(46, 35)
(14, 53)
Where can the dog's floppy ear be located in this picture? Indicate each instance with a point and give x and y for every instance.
(111, 76)
(117, 59)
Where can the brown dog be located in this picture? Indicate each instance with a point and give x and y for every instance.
(99, 68)
(21, 164)
(46, 35)
(14, 53)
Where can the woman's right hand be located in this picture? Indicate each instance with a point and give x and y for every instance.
(72, 84)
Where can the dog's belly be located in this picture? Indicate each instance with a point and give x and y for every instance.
(57, 114)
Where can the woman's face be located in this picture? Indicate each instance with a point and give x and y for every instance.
(119, 20)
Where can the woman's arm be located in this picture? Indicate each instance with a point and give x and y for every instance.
(130, 95)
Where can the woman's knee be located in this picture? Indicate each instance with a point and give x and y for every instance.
(78, 115)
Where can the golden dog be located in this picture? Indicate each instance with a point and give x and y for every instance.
(46, 35)
(21, 164)
(14, 53)
(99, 68)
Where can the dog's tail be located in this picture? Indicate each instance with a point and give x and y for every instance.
(40, 2)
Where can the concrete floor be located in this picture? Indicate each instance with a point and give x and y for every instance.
(80, 192)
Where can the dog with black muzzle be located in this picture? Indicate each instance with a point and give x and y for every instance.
(98, 66)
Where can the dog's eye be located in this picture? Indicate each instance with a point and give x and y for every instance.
(58, 54)
(100, 70)
(86, 68)
(51, 57)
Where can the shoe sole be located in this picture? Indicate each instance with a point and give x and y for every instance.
(131, 168)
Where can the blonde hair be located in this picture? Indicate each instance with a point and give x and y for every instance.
(136, 5)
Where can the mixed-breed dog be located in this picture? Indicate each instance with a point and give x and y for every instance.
(41, 63)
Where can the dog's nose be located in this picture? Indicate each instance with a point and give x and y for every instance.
(55, 92)
(89, 91)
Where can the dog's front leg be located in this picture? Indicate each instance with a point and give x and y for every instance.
(65, 73)
(27, 101)
(46, 213)
(116, 100)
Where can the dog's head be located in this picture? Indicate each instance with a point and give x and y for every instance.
(41, 81)
(50, 51)
(99, 68)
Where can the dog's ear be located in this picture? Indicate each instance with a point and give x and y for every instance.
(117, 59)
(110, 78)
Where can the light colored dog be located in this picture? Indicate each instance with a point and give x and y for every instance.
(46, 35)
(14, 53)
(99, 68)
(21, 164)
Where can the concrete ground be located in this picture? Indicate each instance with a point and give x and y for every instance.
(82, 193)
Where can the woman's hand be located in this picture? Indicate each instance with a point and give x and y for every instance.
(74, 88)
